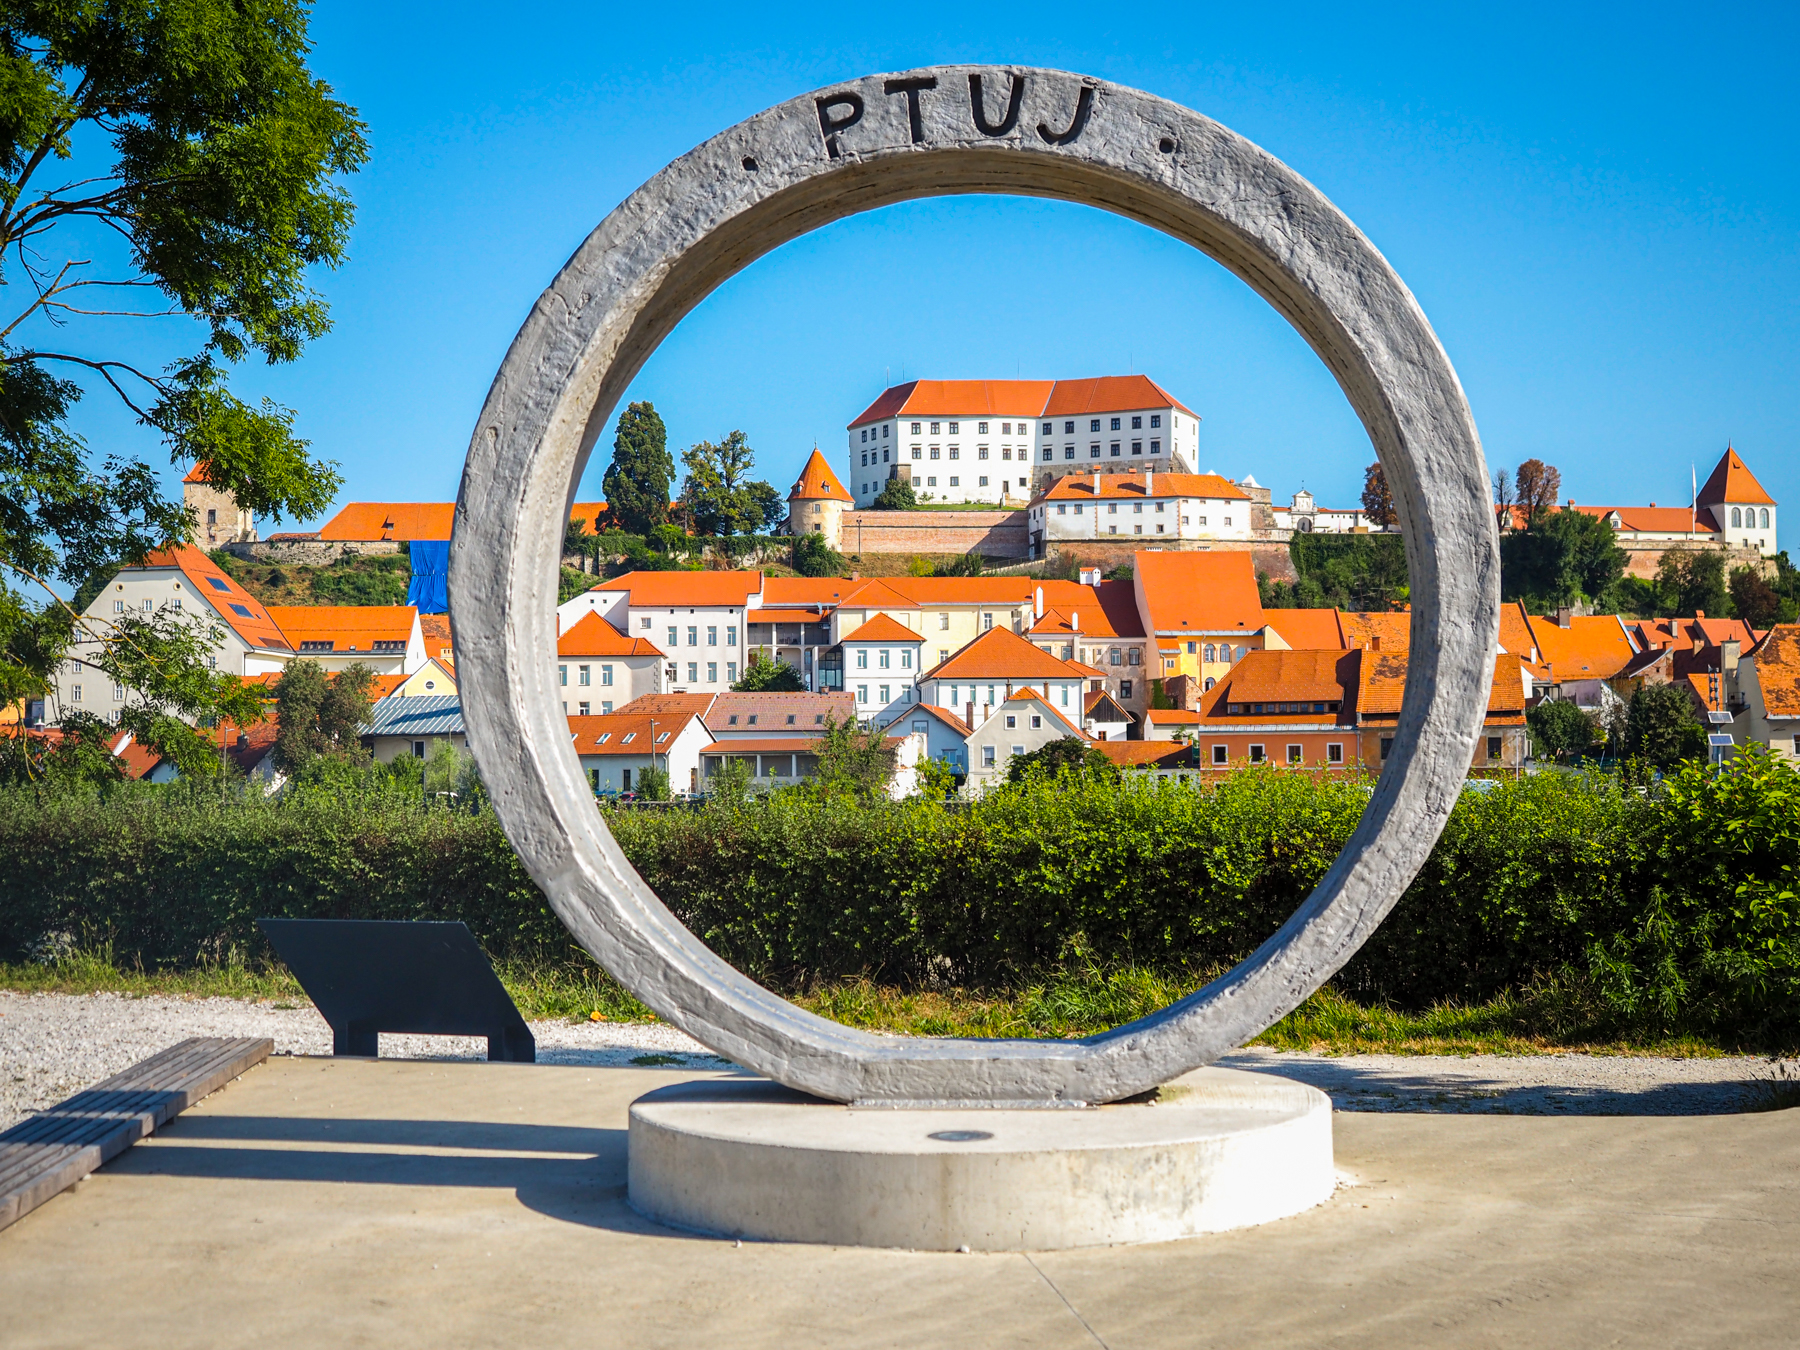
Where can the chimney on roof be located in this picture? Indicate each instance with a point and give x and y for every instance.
(1089, 576)
(1728, 656)
(1149, 481)
(1037, 603)
(1074, 621)
(856, 576)
(1375, 643)
(1699, 614)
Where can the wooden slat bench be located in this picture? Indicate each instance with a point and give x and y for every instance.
(47, 1153)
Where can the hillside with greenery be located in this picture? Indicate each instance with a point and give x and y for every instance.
(378, 580)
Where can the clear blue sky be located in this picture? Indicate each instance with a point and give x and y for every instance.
(1597, 208)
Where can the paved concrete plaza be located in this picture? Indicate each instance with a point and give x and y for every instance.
(334, 1202)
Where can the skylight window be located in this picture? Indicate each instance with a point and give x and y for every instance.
(628, 738)
(218, 583)
(242, 610)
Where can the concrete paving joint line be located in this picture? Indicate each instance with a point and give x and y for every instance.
(853, 147)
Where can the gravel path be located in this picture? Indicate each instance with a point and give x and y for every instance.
(53, 1045)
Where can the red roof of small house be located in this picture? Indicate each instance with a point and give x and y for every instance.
(1110, 393)
(1200, 593)
(1731, 483)
(619, 733)
(696, 704)
(592, 635)
(1001, 654)
(737, 711)
(1141, 486)
(1381, 685)
(686, 590)
(1029, 695)
(883, 628)
(944, 715)
(1173, 717)
(818, 483)
(401, 521)
(348, 628)
(1376, 630)
(1778, 671)
(1147, 754)
(243, 612)
(1592, 647)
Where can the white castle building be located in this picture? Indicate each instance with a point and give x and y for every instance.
(1002, 442)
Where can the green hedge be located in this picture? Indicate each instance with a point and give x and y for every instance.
(1675, 904)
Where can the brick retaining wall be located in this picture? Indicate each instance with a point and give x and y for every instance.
(993, 534)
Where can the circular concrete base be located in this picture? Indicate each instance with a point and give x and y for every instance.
(1217, 1149)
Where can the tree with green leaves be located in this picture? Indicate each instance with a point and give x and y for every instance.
(813, 557)
(854, 760)
(638, 481)
(1561, 558)
(1691, 581)
(763, 676)
(719, 496)
(197, 137)
(1067, 755)
(1560, 730)
(1755, 601)
(896, 495)
(319, 715)
(1661, 728)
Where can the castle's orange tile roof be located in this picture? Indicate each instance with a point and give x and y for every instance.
(882, 628)
(818, 483)
(1778, 671)
(594, 636)
(405, 521)
(1110, 393)
(958, 398)
(686, 590)
(1592, 647)
(1656, 519)
(1199, 593)
(197, 474)
(1001, 654)
(349, 628)
(588, 513)
(1732, 483)
(246, 615)
(1315, 629)
(1142, 486)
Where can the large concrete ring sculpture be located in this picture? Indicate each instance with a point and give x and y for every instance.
(864, 144)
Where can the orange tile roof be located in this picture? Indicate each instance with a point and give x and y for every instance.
(587, 513)
(1592, 647)
(959, 398)
(246, 615)
(1029, 695)
(391, 520)
(406, 521)
(818, 483)
(1732, 483)
(594, 636)
(944, 715)
(766, 745)
(697, 704)
(995, 591)
(1515, 630)
(1080, 487)
(1307, 628)
(821, 591)
(1200, 592)
(1290, 676)
(1110, 393)
(1778, 671)
(882, 628)
(1001, 654)
(1381, 685)
(615, 727)
(197, 474)
(1147, 754)
(350, 628)
(686, 590)
(737, 710)
(873, 593)
(1379, 630)
(1173, 717)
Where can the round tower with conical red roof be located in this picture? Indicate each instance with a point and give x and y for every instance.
(817, 502)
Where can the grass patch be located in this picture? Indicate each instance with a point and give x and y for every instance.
(1544, 1019)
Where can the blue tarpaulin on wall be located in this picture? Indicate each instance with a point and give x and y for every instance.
(430, 576)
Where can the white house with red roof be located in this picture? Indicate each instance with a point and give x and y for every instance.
(178, 581)
(697, 620)
(881, 663)
(1156, 508)
(976, 681)
(385, 638)
(1001, 441)
(599, 668)
(616, 748)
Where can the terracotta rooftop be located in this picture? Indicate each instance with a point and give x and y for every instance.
(818, 483)
(959, 398)
(1142, 486)
(686, 590)
(349, 628)
(1307, 628)
(592, 635)
(1199, 593)
(620, 733)
(246, 615)
(883, 628)
(1732, 484)
(1110, 393)
(1001, 654)
(1778, 671)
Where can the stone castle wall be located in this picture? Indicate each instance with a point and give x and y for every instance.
(993, 534)
(311, 552)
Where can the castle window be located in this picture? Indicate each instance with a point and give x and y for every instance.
(1137, 424)
(981, 428)
(1115, 424)
(955, 428)
(1093, 425)
(1155, 420)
